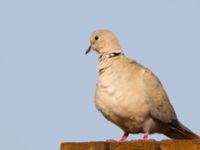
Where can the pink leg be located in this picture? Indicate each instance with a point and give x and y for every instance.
(124, 137)
(145, 137)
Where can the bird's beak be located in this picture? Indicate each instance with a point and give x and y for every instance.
(88, 50)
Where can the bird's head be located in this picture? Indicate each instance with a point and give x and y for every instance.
(104, 41)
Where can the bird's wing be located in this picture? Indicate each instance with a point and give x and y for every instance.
(159, 104)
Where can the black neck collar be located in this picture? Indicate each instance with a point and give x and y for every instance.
(114, 54)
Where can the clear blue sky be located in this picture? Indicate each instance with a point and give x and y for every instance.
(47, 84)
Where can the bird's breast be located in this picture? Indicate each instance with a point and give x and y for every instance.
(120, 101)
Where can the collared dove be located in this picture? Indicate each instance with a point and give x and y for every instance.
(130, 95)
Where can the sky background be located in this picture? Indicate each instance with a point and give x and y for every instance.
(47, 84)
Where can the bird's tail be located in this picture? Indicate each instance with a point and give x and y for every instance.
(179, 131)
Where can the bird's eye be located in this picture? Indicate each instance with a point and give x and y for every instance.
(96, 37)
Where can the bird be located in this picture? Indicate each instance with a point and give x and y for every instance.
(130, 95)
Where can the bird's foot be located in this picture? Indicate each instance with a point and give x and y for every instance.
(124, 137)
(145, 137)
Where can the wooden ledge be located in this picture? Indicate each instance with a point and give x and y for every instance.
(135, 145)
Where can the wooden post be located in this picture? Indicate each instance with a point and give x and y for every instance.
(134, 145)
